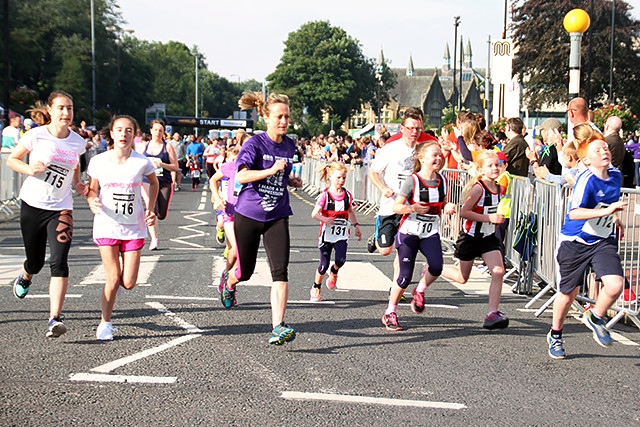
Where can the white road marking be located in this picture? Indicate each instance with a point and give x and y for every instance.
(10, 266)
(173, 297)
(122, 378)
(191, 227)
(182, 323)
(47, 296)
(310, 302)
(293, 395)
(147, 264)
(108, 367)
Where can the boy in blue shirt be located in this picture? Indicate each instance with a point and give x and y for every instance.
(587, 238)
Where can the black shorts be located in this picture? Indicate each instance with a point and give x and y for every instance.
(386, 229)
(574, 258)
(469, 247)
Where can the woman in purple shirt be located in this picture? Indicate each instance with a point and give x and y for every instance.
(264, 165)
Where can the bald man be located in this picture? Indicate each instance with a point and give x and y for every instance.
(578, 111)
(612, 128)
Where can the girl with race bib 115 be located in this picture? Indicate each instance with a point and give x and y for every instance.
(46, 211)
(121, 214)
(420, 201)
(335, 213)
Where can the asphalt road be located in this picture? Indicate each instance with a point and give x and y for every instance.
(181, 359)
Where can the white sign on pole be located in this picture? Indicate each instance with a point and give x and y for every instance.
(501, 61)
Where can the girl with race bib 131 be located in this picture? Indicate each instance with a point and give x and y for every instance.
(121, 214)
(420, 201)
(335, 213)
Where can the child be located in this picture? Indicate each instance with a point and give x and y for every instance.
(425, 191)
(121, 217)
(587, 238)
(334, 211)
(224, 198)
(478, 238)
(194, 171)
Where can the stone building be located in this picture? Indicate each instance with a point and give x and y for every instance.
(430, 89)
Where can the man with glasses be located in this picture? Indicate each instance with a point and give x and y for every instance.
(392, 164)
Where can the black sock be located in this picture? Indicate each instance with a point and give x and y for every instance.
(594, 317)
(556, 335)
(317, 286)
(334, 270)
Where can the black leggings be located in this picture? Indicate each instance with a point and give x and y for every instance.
(38, 226)
(164, 200)
(276, 243)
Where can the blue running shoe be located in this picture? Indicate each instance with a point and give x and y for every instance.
(56, 328)
(281, 334)
(21, 287)
(556, 349)
(228, 297)
(600, 332)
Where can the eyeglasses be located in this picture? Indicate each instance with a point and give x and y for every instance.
(411, 129)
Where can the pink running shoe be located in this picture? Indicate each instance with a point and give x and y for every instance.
(315, 294)
(332, 280)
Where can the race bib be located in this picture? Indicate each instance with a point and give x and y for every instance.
(54, 176)
(422, 226)
(602, 226)
(339, 230)
(487, 227)
(122, 207)
(158, 171)
(236, 188)
(195, 173)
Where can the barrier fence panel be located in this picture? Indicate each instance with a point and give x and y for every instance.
(451, 225)
(10, 183)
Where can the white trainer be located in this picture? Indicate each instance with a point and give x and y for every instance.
(105, 331)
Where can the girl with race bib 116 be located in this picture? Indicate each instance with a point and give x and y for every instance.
(335, 213)
(420, 201)
(121, 214)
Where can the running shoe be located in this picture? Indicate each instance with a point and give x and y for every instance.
(228, 297)
(281, 334)
(56, 328)
(556, 349)
(153, 245)
(220, 236)
(315, 294)
(21, 287)
(105, 331)
(371, 244)
(390, 321)
(600, 332)
(332, 280)
(225, 253)
(495, 320)
(223, 281)
(417, 303)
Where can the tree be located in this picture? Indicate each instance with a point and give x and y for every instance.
(324, 71)
(542, 52)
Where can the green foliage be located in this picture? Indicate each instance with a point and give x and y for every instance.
(498, 126)
(324, 71)
(542, 52)
(629, 120)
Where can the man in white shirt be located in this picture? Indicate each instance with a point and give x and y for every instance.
(11, 133)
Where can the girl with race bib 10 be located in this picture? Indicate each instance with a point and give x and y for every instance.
(335, 212)
(420, 201)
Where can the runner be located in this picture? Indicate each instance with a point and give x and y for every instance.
(163, 157)
(264, 164)
(334, 211)
(425, 192)
(224, 199)
(588, 238)
(46, 211)
(478, 238)
(121, 214)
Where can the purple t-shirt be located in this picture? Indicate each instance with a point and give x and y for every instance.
(267, 199)
(228, 170)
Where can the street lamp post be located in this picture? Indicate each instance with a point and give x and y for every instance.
(456, 22)
(93, 65)
(575, 22)
(379, 71)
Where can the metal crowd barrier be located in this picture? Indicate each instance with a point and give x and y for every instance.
(10, 183)
(549, 201)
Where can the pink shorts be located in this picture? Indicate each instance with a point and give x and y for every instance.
(125, 245)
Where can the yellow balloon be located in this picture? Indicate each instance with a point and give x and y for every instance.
(576, 21)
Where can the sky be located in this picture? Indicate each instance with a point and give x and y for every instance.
(244, 39)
